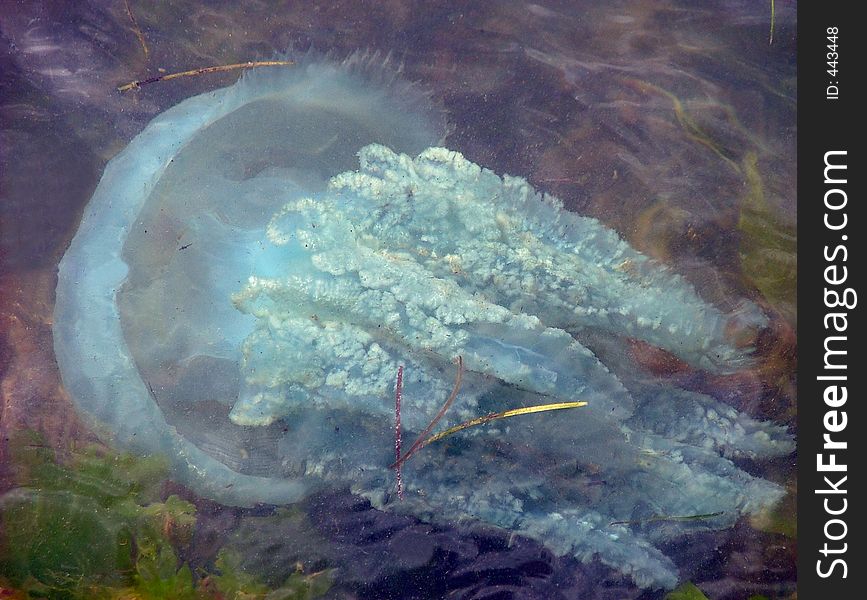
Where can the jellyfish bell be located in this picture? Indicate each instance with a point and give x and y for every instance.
(143, 326)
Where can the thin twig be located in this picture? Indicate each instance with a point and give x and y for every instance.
(133, 85)
(657, 518)
(527, 410)
(773, 15)
(137, 30)
(398, 388)
(421, 438)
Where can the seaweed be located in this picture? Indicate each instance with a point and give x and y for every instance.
(234, 582)
(686, 591)
(137, 30)
(64, 528)
(768, 240)
(96, 527)
(782, 519)
(691, 127)
(670, 518)
(768, 244)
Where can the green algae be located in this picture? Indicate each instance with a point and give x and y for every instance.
(692, 128)
(768, 247)
(782, 518)
(234, 582)
(66, 528)
(95, 527)
(686, 591)
(56, 542)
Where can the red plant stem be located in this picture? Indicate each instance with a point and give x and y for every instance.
(419, 442)
(397, 442)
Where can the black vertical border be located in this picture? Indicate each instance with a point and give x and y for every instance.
(830, 125)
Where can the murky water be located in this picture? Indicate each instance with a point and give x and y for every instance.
(673, 123)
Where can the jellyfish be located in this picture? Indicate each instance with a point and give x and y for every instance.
(256, 266)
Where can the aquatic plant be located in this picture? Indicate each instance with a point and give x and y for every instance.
(398, 436)
(95, 529)
(234, 582)
(97, 522)
(686, 591)
(768, 244)
(259, 262)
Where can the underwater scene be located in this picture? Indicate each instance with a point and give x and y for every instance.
(349, 299)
